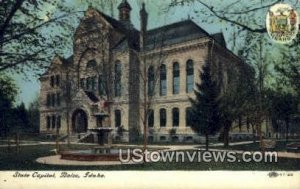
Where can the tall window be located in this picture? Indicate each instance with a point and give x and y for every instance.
(48, 122)
(163, 81)
(176, 78)
(117, 118)
(118, 76)
(48, 100)
(151, 81)
(101, 87)
(93, 83)
(53, 100)
(189, 76)
(57, 80)
(163, 117)
(52, 81)
(53, 121)
(188, 116)
(88, 83)
(58, 99)
(82, 83)
(175, 116)
(150, 118)
(58, 122)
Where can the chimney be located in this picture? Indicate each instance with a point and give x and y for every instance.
(144, 22)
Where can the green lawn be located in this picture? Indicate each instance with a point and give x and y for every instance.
(25, 160)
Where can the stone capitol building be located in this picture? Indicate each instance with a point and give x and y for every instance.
(116, 69)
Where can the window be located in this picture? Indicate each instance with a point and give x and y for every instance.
(91, 64)
(163, 117)
(101, 85)
(53, 122)
(150, 118)
(58, 99)
(189, 76)
(88, 83)
(48, 100)
(53, 100)
(162, 138)
(188, 116)
(163, 81)
(117, 118)
(58, 122)
(151, 81)
(175, 116)
(52, 81)
(93, 83)
(82, 83)
(176, 78)
(57, 80)
(118, 76)
(48, 122)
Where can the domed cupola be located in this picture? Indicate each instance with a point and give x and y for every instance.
(124, 11)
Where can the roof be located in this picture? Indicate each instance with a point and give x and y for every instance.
(174, 33)
(219, 37)
(91, 96)
(66, 61)
(124, 4)
(129, 31)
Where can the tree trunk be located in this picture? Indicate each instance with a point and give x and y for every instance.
(68, 129)
(287, 122)
(206, 141)
(227, 126)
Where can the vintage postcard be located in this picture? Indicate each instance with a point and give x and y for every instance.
(149, 94)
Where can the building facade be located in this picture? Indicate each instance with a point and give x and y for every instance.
(121, 71)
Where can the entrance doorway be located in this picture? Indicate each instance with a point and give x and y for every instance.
(79, 121)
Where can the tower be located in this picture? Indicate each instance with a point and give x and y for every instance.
(124, 11)
(144, 22)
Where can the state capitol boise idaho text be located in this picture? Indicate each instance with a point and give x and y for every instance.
(42, 175)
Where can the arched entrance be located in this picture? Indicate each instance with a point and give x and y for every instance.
(79, 121)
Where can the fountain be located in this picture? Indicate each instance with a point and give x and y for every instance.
(100, 135)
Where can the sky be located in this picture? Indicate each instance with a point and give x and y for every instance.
(158, 16)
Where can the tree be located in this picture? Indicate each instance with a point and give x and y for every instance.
(206, 114)
(34, 115)
(282, 107)
(28, 36)
(237, 100)
(8, 93)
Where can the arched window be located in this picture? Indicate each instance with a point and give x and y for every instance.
(94, 83)
(118, 77)
(188, 116)
(163, 117)
(91, 64)
(175, 116)
(117, 118)
(189, 76)
(88, 83)
(101, 85)
(176, 78)
(151, 81)
(163, 81)
(150, 118)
